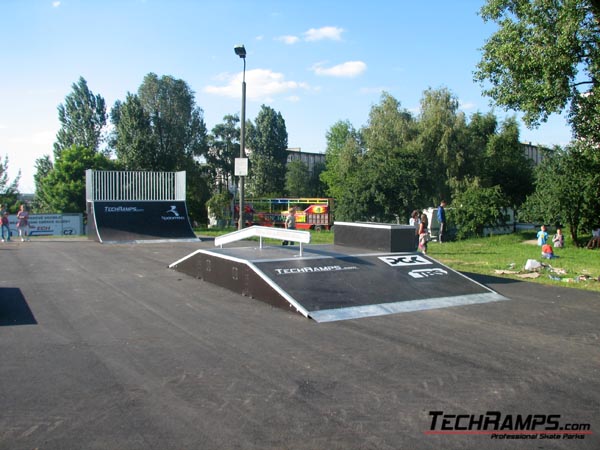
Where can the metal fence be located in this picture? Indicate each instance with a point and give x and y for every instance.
(112, 185)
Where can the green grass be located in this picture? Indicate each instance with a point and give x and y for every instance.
(502, 252)
(581, 266)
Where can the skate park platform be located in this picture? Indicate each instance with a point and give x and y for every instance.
(335, 282)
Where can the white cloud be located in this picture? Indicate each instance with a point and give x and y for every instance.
(288, 39)
(261, 85)
(348, 69)
(467, 105)
(293, 98)
(318, 34)
(55, 4)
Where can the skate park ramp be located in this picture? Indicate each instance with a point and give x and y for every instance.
(139, 221)
(332, 282)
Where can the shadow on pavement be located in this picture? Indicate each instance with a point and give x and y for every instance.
(14, 309)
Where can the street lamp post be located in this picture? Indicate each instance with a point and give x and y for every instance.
(241, 52)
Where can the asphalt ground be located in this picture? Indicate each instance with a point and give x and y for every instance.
(105, 347)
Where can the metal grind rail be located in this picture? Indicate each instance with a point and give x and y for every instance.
(302, 237)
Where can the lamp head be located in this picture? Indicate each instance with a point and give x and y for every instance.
(240, 51)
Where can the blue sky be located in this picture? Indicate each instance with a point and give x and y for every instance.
(316, 62)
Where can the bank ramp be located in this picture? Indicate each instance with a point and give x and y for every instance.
(336, 282)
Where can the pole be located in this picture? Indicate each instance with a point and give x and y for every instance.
(242, 146)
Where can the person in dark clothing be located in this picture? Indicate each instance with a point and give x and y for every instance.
(441, 215)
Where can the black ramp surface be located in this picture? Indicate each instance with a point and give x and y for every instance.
(122, 221)
(344, 287)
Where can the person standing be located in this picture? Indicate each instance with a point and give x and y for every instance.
(423, 234)
(4, 222)
(414, 222)
(542, 236)
(441, 215)
(23, 223)
(290, 222)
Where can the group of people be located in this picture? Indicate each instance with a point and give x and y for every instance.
(558, 240)
(22, 223)
(421, 224)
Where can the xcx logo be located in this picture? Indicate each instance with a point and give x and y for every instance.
(404, 260)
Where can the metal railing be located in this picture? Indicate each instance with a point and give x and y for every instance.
(302, 237)
(112, 185)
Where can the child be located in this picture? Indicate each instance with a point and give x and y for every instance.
(547, 251)
(423, 234)
(542, 236)
(558, 239)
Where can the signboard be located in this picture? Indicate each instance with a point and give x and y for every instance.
(241, 167)
(50, 224)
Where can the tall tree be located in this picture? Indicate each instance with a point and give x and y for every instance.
(224, 147)
(343, 157)
(268, 140)
(480, 129)
(391, 168)
(132, 138)
(544, 56)
(9, 190)
(567, 190)
(507, 166)
(296, 179)
(160, 128)
(441, 131)
(43, 167)
(82, 118)
(316, 186)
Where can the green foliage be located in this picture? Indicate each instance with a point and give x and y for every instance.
(160, 128)
(567, 190)
(9, 190)
(441, 131)
(398, 163)
(268, 140)
(132, 138)
(82, 118)
(391, 167)
(219, 205)
(297, 179)
(62, 189)
(343, 156)
(506, 164)
(476, 207)
(316, 188)
(544, 56)
(224, 147)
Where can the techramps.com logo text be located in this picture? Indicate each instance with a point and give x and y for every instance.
(499, 426)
